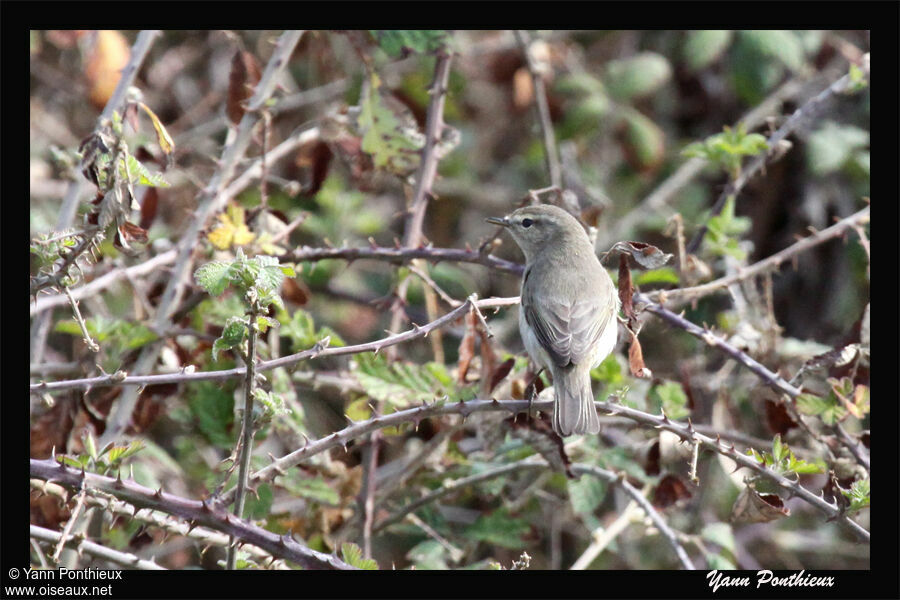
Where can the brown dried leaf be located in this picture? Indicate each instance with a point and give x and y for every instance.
(753, 507)
(149, 204)
(245, 74)
(777, 418)
(646, 255)
(636, 359)
(626, 288)
(466, 347)
(500, 373)
(669, 491)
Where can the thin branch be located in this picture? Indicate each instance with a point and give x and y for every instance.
(64, 536)
(551, 153)
(403, 255)
(771, 379)
(315, 352)
(166, 522)
(764, 266)
(246, 437)
(104, 281)
(207, 513)
(621, 481)
(809, 108)
(603, 536)
(82, 545)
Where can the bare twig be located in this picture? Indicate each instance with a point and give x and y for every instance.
(602, 536)
(64, 536)
(82, 545)
(206, 513)
(91, 344)
(551, 153)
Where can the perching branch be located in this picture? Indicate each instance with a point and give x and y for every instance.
(205, 513)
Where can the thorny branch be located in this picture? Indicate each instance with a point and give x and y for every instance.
(205, 513)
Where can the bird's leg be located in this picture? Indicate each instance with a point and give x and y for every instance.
(530, 391)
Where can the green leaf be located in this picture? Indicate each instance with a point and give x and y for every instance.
(406, 384)
(214, 277)
(672, 399)
(500, 529)
(390, 133)
(117, 454)
(353, 556)
(138, 174)
(429, 555)
(705, 46)
(313, 488)
(637, 76)
(654, 276)
(213, 408)
(644, 139)
(232, 336)
(399, 42)
(859, 494)
(609, 371)
(259, 505)
(586, 493)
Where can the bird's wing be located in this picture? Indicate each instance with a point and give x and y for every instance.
(568, 329)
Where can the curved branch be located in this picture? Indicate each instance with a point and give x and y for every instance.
(207, 513)
(404, 255)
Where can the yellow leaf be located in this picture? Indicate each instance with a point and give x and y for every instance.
(231, 229)
(166, 143)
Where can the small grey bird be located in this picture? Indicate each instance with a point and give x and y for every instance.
(569, 305)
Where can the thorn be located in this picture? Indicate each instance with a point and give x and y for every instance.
(159, 493)
(283, 540)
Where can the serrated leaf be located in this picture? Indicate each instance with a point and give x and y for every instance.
(214, 277)
(353, 556)
(705, 46)
(637, 76)
(406, 384)
(232, 336)
(315, 489)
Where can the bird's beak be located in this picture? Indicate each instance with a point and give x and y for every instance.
(501, 221)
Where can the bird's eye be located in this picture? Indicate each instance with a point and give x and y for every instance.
(527, 222)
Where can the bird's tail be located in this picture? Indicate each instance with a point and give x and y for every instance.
(573, 411)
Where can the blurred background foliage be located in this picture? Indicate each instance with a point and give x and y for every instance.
(624, 105)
